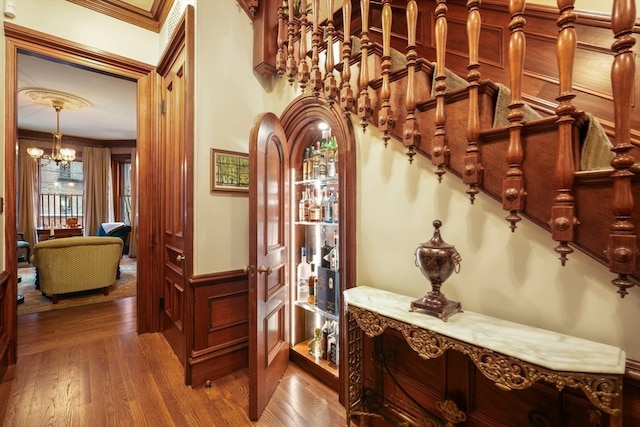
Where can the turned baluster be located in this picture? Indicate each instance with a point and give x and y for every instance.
(347, 101)
(303, 65)
(622, 250)
(292, 68)
(330, 84)
(472, 167)
(315, 79)
(513, 194)
(386, 121)
(440, 150)
(364, 103)
(563, 220)
(281, 58)
(410, 132)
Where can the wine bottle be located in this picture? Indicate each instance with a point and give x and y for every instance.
(303, 273)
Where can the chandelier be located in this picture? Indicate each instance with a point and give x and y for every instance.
(59, 154)
(62, 156)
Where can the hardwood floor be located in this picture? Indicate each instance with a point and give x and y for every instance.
(87, 366)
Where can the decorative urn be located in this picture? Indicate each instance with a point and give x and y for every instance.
(437, 260)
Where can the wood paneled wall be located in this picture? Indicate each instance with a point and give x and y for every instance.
(221, 326)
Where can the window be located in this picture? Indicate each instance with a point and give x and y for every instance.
(125, 193)
(61, 191)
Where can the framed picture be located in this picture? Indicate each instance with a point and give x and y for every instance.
(229, 171)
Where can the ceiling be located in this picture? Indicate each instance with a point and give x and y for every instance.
(112, 114)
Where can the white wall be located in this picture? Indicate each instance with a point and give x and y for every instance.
(78, 24)
(228, 98)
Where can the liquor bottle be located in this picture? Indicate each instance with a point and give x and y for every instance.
(315, 345)
(326, 329)
(335, 210)
(322, 166)
(325, 253)
(315, 161)
(306, 165)
(327, 205)
(303, 208)
(303, 273)
(331, 164)
(315, 210)
(312, 286)
(336, 260)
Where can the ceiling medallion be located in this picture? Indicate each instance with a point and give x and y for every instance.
(53, 98)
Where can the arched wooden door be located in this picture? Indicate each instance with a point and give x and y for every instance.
(268, 273)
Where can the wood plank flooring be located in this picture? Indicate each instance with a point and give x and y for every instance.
(87, 366)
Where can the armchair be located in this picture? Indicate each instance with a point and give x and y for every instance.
(116, 229)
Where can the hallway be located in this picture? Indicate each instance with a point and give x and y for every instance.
(90, 368)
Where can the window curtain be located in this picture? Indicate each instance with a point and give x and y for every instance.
(133, 237)
(27, 196)
(98, 188)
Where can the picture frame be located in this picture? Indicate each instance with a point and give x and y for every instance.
(229, 171)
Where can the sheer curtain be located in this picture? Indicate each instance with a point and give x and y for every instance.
(98, 188)
(133, 237)
(27, 192)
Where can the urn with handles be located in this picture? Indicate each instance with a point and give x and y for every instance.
(437, 261)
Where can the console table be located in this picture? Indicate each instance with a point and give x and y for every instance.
(511, 355)
(45, 233)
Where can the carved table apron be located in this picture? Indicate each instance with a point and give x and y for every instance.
(512, 355)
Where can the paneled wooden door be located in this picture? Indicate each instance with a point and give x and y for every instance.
(176, 149)
(268, 272)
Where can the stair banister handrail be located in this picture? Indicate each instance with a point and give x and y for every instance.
(347, 101)
(622, 249)
(513, 190)
(386, 121)
(472, 175)
(439, 148)
(563, 220)
(410, 132)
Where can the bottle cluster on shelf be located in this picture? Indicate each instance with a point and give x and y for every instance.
(318, 282)
(324, 344)
(319, 204)
(321, 158)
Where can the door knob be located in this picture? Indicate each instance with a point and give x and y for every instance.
(180, 258)
(267, 270)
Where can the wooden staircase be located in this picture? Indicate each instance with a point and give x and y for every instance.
(397, 72)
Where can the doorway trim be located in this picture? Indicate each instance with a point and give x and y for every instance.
(18, 39)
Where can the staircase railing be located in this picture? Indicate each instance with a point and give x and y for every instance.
(556, 138)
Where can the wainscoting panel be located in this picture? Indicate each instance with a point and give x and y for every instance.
(221, 326)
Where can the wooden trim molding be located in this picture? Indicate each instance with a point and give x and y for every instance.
(127, 11)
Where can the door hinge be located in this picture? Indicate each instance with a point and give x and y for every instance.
(161, 302)
(163, 107)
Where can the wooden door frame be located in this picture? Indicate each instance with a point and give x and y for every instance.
(19, 38)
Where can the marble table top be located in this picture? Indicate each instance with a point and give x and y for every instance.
(541, 347)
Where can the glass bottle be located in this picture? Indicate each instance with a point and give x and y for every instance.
(312, 286)
(303, 208)
(327, 205)
(306, 165)
(303, 273)
(315, 210)
(335, 210)
(315, 345)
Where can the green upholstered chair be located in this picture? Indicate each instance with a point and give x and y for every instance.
(76, 264)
